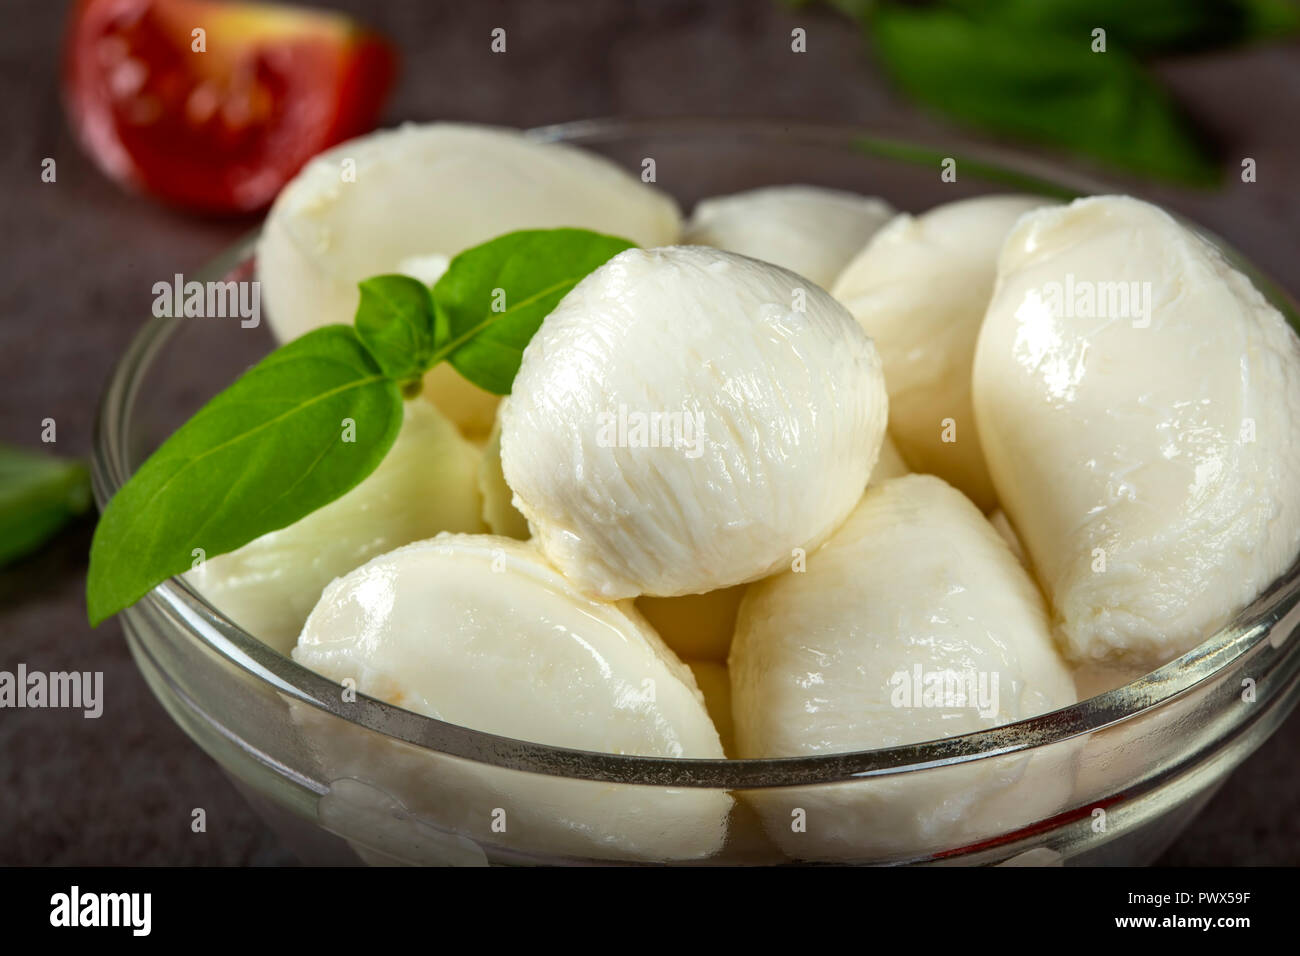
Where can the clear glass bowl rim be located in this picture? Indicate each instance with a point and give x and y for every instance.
(207, 625)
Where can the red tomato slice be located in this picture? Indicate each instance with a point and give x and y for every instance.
(215, 106)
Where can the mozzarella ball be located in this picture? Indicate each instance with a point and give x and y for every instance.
(686, 419)
(920, 289)
(914, 622)
(498, 513)
(480, 631)
(409, 199)
(427, 483)
(421, 191)
(809, 230)
(1137, 401)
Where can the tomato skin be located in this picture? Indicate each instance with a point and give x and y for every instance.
(222, 128)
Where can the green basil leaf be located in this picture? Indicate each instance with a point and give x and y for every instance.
(1153, 26)
(1043, 87)
(395, 321)
(492, 298)
(295, 432)
(39, 494)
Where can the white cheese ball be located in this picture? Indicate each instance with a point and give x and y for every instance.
(480, 631)
(810, 230)
(427, 483)
(914, 588)
(1138, 400)
(686, 418)
(408, 199)
(920, 289)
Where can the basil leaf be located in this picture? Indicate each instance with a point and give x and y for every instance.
(39, 494)
(1153, 26)
(268, 450)
(492, 298)
(395, 321)
(1045, 87)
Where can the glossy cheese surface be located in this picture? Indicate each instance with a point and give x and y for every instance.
(685, 418)
(1137, 399)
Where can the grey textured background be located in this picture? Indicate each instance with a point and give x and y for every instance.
(78, 259)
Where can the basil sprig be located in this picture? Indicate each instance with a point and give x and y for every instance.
(1035, 69)
(316, 416)
(1041, 86)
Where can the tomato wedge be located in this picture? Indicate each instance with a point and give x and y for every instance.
(214, 106)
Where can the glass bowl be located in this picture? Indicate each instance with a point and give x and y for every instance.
(1109, 780)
